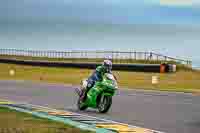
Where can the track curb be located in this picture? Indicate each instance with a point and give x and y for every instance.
(80, 121)
(55, 118)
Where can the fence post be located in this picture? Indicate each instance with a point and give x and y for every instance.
(145, 54)
(31, 53)
(4, 51)
(62, 54)
(35, 53)
(54, 54)
(129, 57)
(49, 54)
(38, 53)
(43, 53)
(151, 56)
(165, 58)
(66, 54)
(135, 56)
(59, 54)
(112, 55)
(8, 52)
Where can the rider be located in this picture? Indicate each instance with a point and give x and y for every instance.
(97, 75)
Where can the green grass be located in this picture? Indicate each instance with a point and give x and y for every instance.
(13, 121)
(181, 81)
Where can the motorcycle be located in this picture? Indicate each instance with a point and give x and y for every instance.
(100, 95)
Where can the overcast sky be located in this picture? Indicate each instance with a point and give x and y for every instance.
(170, 40)
(99, 11)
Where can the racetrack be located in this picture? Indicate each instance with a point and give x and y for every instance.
(167, 112)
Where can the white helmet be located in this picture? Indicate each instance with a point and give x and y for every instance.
(109, 58)
(108, 65)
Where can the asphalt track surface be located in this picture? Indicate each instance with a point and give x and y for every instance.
(162, 111)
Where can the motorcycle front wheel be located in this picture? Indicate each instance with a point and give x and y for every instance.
(105, 104)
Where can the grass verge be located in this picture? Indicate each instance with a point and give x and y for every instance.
(181, 81)
(12, 121)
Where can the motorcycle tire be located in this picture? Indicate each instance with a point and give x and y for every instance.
(106, 105)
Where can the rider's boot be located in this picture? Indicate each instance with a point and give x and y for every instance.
(84, 93)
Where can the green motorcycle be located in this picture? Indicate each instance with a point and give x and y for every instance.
(100, 95)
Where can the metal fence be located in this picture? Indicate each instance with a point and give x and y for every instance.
(132, 55)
